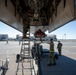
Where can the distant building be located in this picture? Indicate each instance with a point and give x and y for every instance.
(3, 37)
(18, 37)
(31, 38)
(48, 37)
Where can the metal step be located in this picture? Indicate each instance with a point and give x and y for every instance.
(26, 39)
(26, 53)
(25, 44)
(30, 57)
(26, 49)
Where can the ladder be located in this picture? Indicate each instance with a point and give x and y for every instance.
(25, 62)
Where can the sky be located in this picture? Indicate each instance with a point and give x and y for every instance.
(5, 29)
(68, 31)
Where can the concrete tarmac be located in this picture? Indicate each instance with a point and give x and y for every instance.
(66, 63)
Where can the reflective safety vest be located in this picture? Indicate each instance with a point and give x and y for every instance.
(51, 50)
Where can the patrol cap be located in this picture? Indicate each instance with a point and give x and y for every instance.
(51, 39)
(58, 41)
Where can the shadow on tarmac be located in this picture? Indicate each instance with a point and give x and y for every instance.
(64, 66)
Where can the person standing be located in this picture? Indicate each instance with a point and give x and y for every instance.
(7, 41)
(59, 47)
(19, 41)
(52, 57)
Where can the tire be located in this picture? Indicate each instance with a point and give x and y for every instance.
(18, 56)
(56, 56)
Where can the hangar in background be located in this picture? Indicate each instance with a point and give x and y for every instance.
(3, 37)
